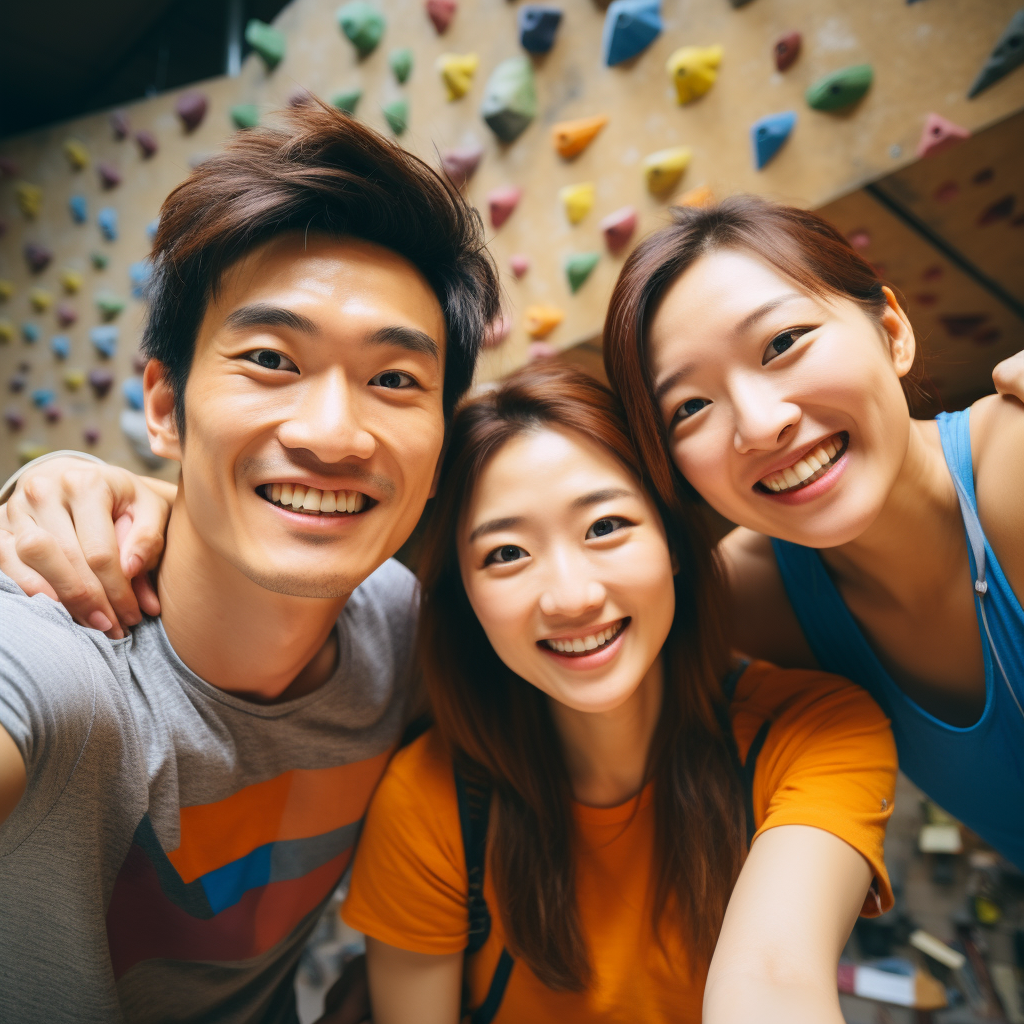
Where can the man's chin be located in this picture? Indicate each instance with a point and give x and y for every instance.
(314, 584)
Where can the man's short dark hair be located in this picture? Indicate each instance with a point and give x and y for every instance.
(325, 172)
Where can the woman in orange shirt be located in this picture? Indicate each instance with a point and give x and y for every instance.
(569, 842)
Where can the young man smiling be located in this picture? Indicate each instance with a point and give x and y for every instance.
(177, 805)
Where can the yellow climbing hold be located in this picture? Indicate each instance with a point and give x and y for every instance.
(71, 281)
(664, 168)
(6, 289)
(694, 70)
(457, 70)
(28, 452)
(30, 199)
(578, 200)
(74, 379)
(41, 299)
(77, 154)
(699, 197)
(6, 331)
(542, 320)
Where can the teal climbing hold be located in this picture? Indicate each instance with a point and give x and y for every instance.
(79, 209)
(152, 228)
(132, 391)
(769, 133)
(139, 275)
(60, 346)
(347, 100)
(30, 332)
(841, 88)
(400, 62)
(397, 115)
(578, 268)
(266, 41)
(42, 397)
(1007, 54)
(362, 24)
(104, 339)
(630, 26)
(107, 220)
(245, 115)
(510, 99)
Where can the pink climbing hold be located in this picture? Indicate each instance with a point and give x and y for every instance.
(502, 201)
(110, 176)
(90, 435)
(191, 108)
(520, 264)
(497, 330)
(460, 163)
(66, 314)
(540, 350)
(52, 413)
(618, 227)
(441, 12)
(120, 123)
(146, 142)
(299, 97)
(14, 419)
(939, 135)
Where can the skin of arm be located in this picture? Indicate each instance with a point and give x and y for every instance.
(1008, 376)
(12, 775)
(413, 988)
(788, 919)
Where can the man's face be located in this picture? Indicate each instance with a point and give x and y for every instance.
(313, 413)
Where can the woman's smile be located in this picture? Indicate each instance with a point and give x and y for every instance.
(592, 649)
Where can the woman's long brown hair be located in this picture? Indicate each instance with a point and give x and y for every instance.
(499, 726)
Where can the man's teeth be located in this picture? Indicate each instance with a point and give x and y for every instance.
(310, 499)
(813, 463)
(585, 643)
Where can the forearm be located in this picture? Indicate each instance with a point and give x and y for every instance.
(743, 998)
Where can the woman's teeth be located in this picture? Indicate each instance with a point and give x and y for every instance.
(812, 466)
(586, 643)
(310, 499)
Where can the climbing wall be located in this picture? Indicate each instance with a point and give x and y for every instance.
(82, 195)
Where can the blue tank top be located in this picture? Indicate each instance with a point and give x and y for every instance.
(974, 773)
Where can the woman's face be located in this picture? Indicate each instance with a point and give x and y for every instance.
(782, 409)
(566, 564)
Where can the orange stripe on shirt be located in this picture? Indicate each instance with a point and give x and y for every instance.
(294, 805)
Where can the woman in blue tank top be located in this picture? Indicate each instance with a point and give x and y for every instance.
(769, 355)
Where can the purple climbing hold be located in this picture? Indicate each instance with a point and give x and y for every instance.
(66, 314)
(460, 163)
(191, 108)
(146, 142)
(90, 435)
(110, 176)
(101, 381)
(120, 123)
(14, 419)
(37, 256)
(52, 413)
(18, 382)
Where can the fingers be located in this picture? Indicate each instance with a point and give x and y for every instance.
(29, 580)
(145, 593)
(140, 532)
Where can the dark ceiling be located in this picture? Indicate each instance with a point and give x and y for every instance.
(62, 58)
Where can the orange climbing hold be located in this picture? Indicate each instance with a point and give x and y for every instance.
(570, 138)
(700, 196)
(542, 320)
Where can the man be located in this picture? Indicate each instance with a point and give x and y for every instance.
(177, 805)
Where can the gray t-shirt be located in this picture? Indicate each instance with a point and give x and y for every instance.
(175, 845)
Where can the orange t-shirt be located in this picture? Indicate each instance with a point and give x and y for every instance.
(828, 761)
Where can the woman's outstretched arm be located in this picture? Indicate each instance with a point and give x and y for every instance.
(413, 988)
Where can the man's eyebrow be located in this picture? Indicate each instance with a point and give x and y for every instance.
(606, 494)
(259, 314)
(405, 337)
(495, 526)
(772, 304)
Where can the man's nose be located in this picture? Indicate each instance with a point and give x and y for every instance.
(329, 420)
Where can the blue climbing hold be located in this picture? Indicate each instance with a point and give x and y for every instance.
(769, 133)
(79, 210)
(538, 25)
(30, 332)
(104, 339)
(151, 229)
(60, 345)
(132, 389)
(107, 220)
(139, 275)
(42, 397)
(629, 27)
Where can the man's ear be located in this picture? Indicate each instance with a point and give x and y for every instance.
(159, 404)
(902, 344)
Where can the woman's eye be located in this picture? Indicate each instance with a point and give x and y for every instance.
(605, 526)
(688, 408)
(780, 343)
(271, 360)
(393, 379)
(506, 553)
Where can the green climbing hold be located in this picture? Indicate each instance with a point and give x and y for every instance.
(578, 268)
(100, 260)
(109, 304)
(400, 62)
(347, 100)
(841, 88)
(397, 114)
(362, 24)
(245, 115)
(266, 41)
(510, 100)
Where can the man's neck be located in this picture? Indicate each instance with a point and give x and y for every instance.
(233, 633)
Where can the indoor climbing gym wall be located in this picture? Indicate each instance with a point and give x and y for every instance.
(572, 126)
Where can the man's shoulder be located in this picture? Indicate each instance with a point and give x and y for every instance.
(388, 600)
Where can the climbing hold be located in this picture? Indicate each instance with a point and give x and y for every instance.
(519, 264)
(457, 70)
(664, 168)
(245, 115)
(133, 426)
(6, 331)
(104, 339)
(28, 452)
(859, 238)
(6, 289)
(14, 419)
(120, 123)
(441, 12)
(79, 209)
(578, 268)
(101, 381)
(110, 176)
(1007, 54)
(946, 192)
(577, 200)
(266, 41)
(618, 227)
(60, 345)
(460, 163)
(841, 88)
(400, 62)
(397, 115)
(66, 314)
(999, 210)
(786, 50)
(71, 280)
(191, 108)
(570, 138)
(769, 133)
(510, 100)
(109, 304)
(77, 154)
(347, 100)
(362, 25)
(542, 320)
(132, 390)
(963, 324)
(43, 396)
(99, 260)
(698, 197)
(18, 382)
(41, 299)
(52, 413)
(30, 332)
(502, 201)
(299, 97)
(629, 27)
(694, 70)
(538, 26)
(37, 256)
(74, 379)
(152, 228)
(30, 199)
(497, 330)
(8, 167)
(146, 141)
(139, 362)
(107, 220)
(139, 275)
(90, 435)
(939, 135)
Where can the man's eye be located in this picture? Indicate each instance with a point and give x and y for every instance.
(271, 360)
(781, 342)
(688, 408)
(506, 553)
(394, 379)
(605, 526)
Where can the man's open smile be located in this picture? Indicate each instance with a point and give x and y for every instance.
(315, 502)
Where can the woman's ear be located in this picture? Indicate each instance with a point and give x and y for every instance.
(158, 398)
(900, 335)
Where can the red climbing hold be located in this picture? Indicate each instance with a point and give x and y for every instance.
(520, 264)
(110, 176)
(618, 227)
(441, 12)
(460, 163)
(786, 50)
(939, 135)
(999, 210)
(502, 201)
